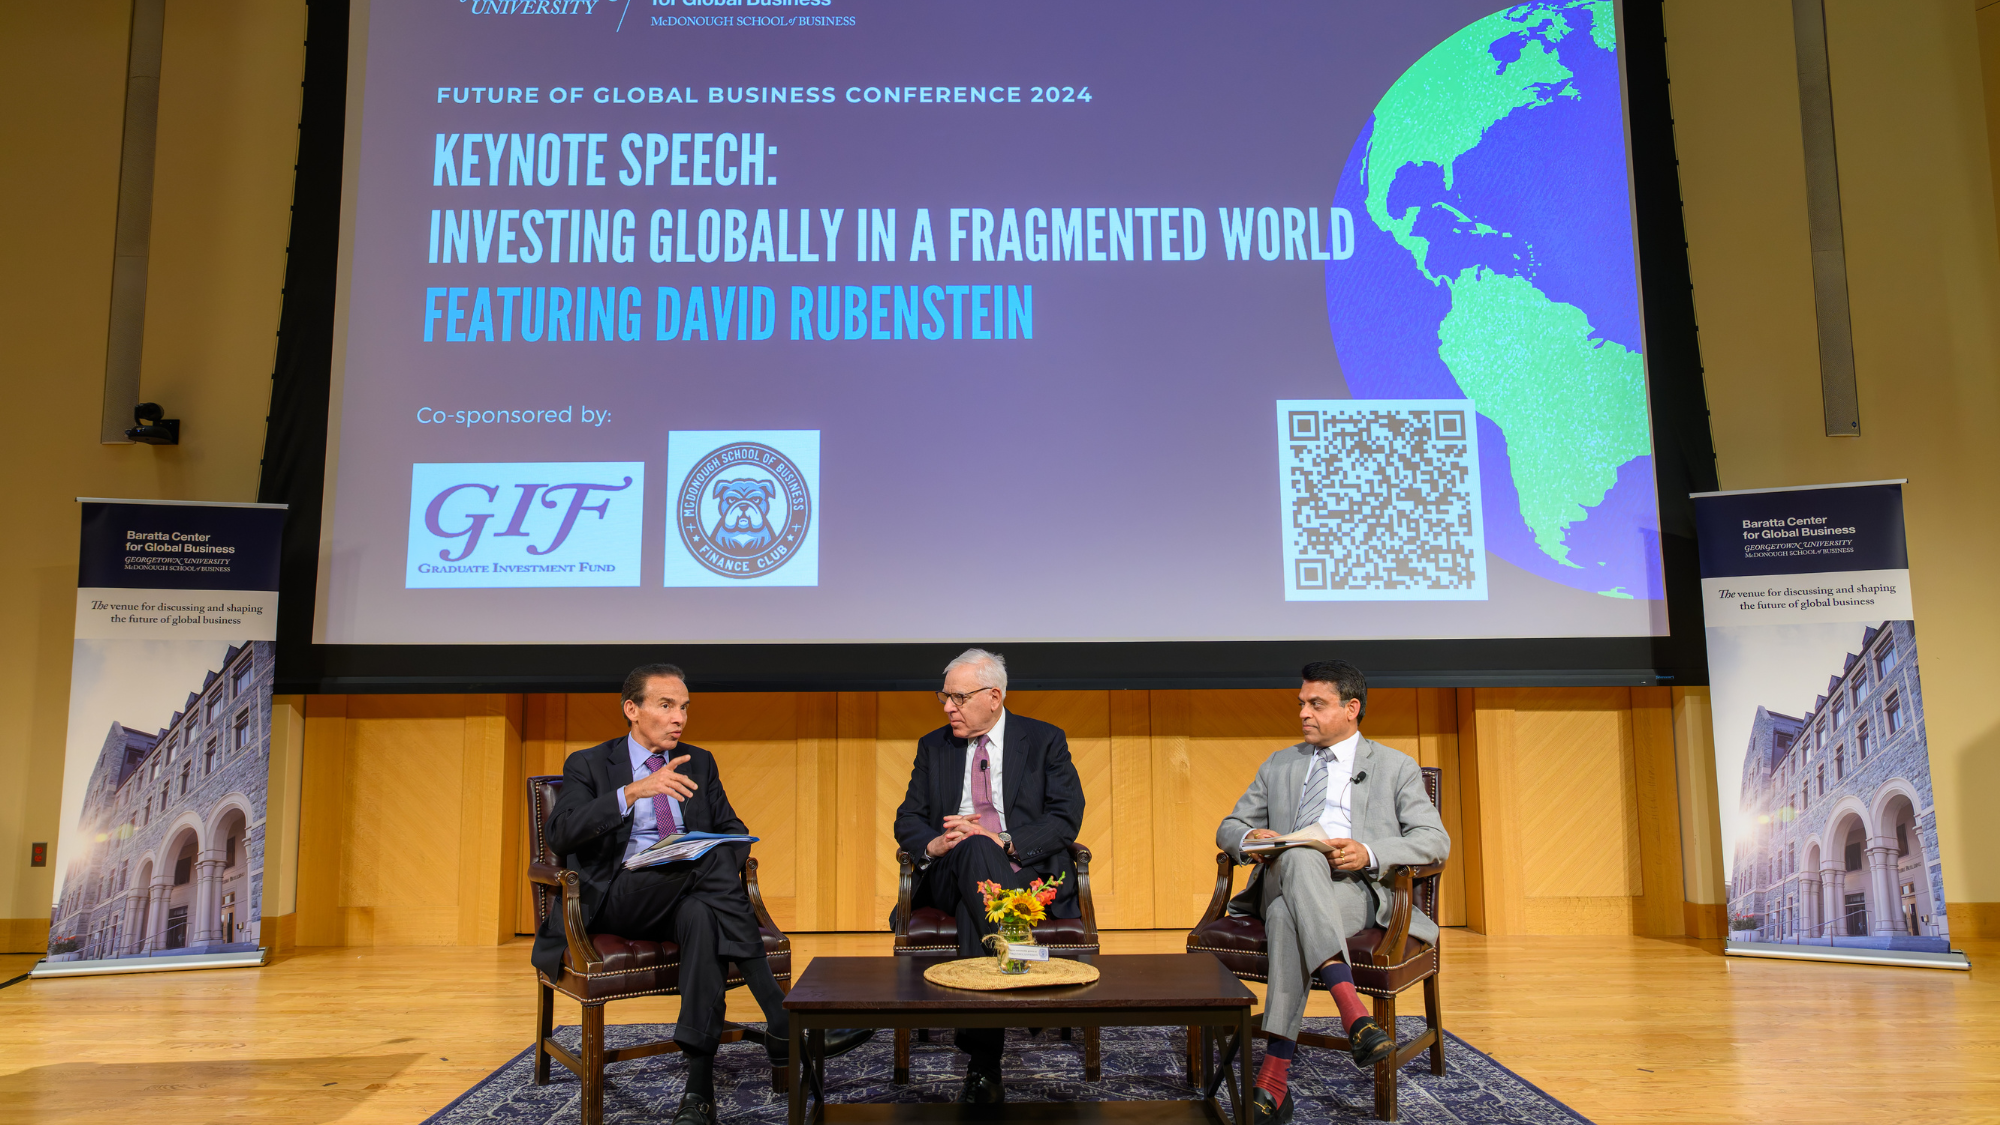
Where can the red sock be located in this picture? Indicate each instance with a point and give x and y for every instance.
(1349, 1003)
(1339, 981)
(1271, 1076)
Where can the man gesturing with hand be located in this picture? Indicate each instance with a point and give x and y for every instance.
(620, 797)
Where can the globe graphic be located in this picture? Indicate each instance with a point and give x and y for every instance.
(1493, 261)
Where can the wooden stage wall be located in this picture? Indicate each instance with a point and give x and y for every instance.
(1561, 802)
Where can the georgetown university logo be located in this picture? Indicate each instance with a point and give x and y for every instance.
(743, 505)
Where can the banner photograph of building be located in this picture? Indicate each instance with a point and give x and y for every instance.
(1837, 842)
(174, 824)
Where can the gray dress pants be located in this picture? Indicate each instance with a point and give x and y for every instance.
(1308, 916)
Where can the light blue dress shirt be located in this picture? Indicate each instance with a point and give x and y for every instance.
(645, 827)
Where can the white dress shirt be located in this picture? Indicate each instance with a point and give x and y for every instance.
(995, 739)
(1337, 818)
(645, 827)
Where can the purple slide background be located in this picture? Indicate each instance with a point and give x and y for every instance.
(1110, 479)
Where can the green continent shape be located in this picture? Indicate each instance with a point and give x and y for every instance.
(1573, 406)
(1603, 25)
(1441, 108)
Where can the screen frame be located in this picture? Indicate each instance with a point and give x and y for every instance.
(303, 432)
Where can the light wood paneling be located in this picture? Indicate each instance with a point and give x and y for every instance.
(1573, 746)
(1662, 901)
(1122, 877)
(1176, 829)
(1437, 730)
(1492, 784)
(1562, 803)
(815, 901)
(1701, 818)
(24, 935)
(860, 838)
(1469, 848)
(409, 820)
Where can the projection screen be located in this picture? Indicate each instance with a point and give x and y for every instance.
(862, 321)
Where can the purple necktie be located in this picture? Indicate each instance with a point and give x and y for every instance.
(663, 806)
(982, 791)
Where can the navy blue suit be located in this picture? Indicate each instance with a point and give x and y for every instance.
(701, 906)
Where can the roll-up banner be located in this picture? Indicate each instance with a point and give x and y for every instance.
(160, 862)
(1829, 830)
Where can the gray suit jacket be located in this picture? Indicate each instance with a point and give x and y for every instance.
(1392, 815)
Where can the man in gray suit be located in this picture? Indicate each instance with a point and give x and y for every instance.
(1370, 802)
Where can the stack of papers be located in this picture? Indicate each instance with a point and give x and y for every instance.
(1311, 836)
(681, 847)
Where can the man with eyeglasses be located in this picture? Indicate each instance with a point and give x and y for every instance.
(994, 798)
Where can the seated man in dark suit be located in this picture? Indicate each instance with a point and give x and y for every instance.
(623, 795)
(993, 798)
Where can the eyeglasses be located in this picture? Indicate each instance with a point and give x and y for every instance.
(958, 698)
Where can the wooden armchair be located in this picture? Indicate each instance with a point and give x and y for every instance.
(600, 968)
(1385, 963)
(928, 932)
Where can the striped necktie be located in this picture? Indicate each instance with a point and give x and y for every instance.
(664, 821)
(1312, 806)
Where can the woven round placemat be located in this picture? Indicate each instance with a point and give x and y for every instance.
(983, 974)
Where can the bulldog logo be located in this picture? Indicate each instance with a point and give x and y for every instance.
(745, 527)
(743, 510)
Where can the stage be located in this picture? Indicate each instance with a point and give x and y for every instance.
(1620, 1029)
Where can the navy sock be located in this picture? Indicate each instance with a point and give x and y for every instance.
(700, 1072)
(1277, 1048)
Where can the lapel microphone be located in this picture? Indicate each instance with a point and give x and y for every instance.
(1361, 777)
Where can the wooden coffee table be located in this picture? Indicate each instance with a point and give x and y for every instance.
(1142, 990)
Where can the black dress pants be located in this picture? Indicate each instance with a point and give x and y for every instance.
(952, 884)
(702, 907)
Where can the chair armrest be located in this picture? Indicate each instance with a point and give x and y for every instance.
(1402, 879)
(906, 890)
(1218, 900)
(764, 920)
(1080, 857)
(581, 953)
(547, 874)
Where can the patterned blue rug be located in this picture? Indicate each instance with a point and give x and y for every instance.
(1139, 1064)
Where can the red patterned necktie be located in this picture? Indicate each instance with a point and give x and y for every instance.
(664, 821)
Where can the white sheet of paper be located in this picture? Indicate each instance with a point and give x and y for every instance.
(1027, 952)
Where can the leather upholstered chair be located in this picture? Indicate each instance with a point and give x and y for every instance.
(1385, 963)
(600, 968)
(929, 932)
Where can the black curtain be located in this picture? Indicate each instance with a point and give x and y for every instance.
(294, 465)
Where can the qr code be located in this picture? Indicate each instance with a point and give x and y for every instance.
(1380, 500)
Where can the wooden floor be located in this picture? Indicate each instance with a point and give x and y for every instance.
(1622, 1029)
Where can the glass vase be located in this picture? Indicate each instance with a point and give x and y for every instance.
(1013, 932)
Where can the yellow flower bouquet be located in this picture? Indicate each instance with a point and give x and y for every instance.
(1017, 911)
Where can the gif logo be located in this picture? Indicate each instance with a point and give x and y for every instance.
(562, 523)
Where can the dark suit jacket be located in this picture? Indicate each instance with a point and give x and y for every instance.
(589, 836)
(1042, 799)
